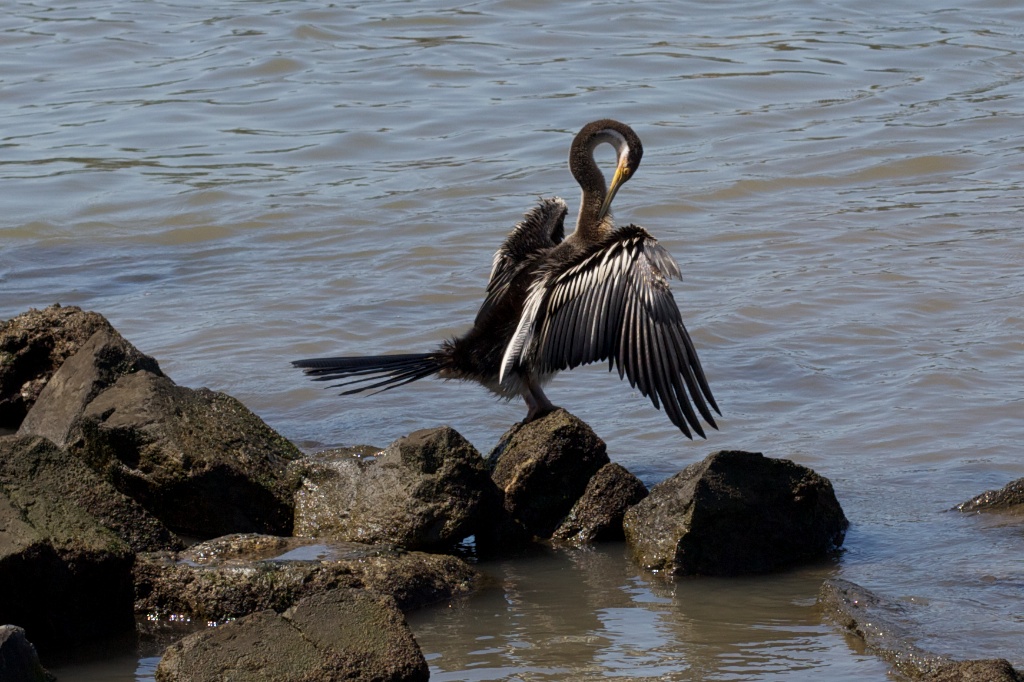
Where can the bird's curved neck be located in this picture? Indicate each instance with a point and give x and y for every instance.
(591, 225)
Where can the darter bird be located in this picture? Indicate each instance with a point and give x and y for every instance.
(555, 302)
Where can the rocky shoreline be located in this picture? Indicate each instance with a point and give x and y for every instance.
(318, 556)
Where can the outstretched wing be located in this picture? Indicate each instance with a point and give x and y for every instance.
(542, 227)
(613, 302)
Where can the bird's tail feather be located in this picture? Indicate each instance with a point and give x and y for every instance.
(385, 371)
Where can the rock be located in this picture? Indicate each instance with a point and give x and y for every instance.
(429, 490)
(1008, 498)
(66, 578)
(33, 346)
(100, 361)
(735, 513)
(543, 467)
(338, 635)
(985, 670)
(868, 617)
(198, 460)
(236, 575)
(876, 621)
(19, 661)
(35, 469)
(598, 514)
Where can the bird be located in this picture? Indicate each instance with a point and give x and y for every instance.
(554, 302)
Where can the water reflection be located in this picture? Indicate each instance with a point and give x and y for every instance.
(582, 614)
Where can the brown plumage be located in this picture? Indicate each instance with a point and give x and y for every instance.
(554, 303)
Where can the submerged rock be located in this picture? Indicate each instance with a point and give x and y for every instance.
(428, 490)
(65, 577)
(877, 622)
(98, 364)
(598, 514)
(197, 459)
(337, 635)
(734, 513)
(1009, 498)
(543, 467)
(33, 346)
(236, 575)
(19, 661)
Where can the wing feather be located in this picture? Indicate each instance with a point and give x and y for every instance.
(613, 302)
(541, 228)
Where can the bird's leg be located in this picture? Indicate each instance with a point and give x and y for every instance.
(536, 401)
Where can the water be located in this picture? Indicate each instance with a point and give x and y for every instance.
(238, 185)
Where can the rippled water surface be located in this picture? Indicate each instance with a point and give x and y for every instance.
(238, 184)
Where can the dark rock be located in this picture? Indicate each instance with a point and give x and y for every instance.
(19, 661)
(241, 574)
(877, 622)
(101, 360)
(429, 490)
(735, 513)
(66, 578)
(197, 459)
(1008, 498)
(33, 346)
(985, 670)
(598, 514)
(338, 635)
(543, 467)
(35, 469)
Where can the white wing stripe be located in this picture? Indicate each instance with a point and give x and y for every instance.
(615, 303)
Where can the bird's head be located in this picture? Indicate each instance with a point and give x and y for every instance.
(628, 152)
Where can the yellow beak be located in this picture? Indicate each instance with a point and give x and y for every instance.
(621, 175)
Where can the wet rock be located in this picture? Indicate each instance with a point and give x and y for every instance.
(734, 513)
(66, 578)
(34, 469)
(877, 622)
(543, 468)
(429, 490)
(197, 459)
(598, 514)
(1009, 498)
(985, 670)
(19, 661)
(241, 574)
(338, 635)
(101, 360)
(33, 346)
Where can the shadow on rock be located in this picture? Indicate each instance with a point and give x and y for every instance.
(19, 661)
(598, 514)
(67, 542)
